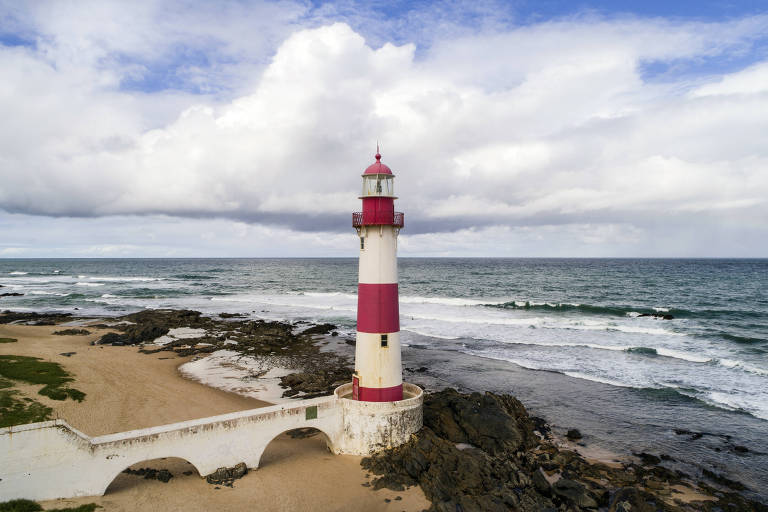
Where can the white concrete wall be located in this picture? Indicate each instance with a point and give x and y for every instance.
(52, 460)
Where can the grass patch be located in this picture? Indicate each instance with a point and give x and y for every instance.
(8, 340)
(36, 371)
(31, 506)
(19, 411)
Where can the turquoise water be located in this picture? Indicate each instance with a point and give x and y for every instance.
(475, 322)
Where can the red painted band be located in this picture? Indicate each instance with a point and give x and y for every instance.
(377, 308)
(393, 394)
(378, 210)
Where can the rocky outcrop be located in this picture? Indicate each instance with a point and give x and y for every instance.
(8, 317)
(481, 452)
(226, 476)
(72, 332)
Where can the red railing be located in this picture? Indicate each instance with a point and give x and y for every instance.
(398, 220)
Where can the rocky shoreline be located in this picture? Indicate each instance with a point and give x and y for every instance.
(475, 452)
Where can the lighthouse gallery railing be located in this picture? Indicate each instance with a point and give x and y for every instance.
(398, 220)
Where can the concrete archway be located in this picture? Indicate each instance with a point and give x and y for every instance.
(175, 465)
(291, 442)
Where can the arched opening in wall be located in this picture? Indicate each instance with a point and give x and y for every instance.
(300, 443)
(164, 471)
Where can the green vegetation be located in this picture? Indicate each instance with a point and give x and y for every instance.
(31, 506)
(18, 410)
(36, 371)
(8, 340)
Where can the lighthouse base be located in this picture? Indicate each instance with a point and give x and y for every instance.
(374, 426)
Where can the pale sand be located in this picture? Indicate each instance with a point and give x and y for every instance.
(127, 390)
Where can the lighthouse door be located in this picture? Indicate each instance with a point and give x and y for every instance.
(355, 387)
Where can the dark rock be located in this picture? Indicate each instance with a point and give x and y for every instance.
(233, 315)
(319, 329)
(72, 332)
(335, 333)
(648, 459)
(421, 369)
(663, 316)
(12, 294)
(31, 318)
(68, 354)
(574, 492)
(162, 475)
(722, 480)
(225, 476)
(630, 499)
(573, 435)
(740, 449)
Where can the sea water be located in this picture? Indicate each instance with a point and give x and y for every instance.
(597, 323)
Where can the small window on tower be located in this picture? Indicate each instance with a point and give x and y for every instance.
(384, 340)
(362, 243)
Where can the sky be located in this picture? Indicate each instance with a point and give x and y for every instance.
(515, 129)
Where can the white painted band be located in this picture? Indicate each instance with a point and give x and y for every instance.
(377, 366)
(378, 260)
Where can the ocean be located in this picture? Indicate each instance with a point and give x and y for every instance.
(582, 342)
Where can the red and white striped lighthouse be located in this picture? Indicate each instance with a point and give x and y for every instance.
(378, 372)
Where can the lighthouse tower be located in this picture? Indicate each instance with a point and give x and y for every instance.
(378, 372)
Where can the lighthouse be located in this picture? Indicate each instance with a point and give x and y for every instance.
(378, 372)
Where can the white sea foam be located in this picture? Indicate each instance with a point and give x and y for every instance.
(18, 273)
(594, 378)
(109, 296)
(749, 403)
(43, 292)
(661, 310)
(88, 284)
(110, 279)
(431, 335)
(730, 363)
(677, 354)
(329, 294)
(446, 301)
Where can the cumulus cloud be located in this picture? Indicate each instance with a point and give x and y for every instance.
(551, 125)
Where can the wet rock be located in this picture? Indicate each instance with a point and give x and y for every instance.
(648, 459)
(663, 316)
(573, 435)
(72, 332)
(12, 294)
(724, 481)
(319, 329)
(233, 315)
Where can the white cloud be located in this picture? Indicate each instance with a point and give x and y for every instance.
(547, 125)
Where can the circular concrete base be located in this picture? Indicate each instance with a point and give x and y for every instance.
(369, 427)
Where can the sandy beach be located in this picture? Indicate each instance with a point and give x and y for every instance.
(128, 390)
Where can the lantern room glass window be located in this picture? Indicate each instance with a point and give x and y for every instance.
(378, 185)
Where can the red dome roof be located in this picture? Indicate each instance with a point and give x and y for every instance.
(378, 167)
